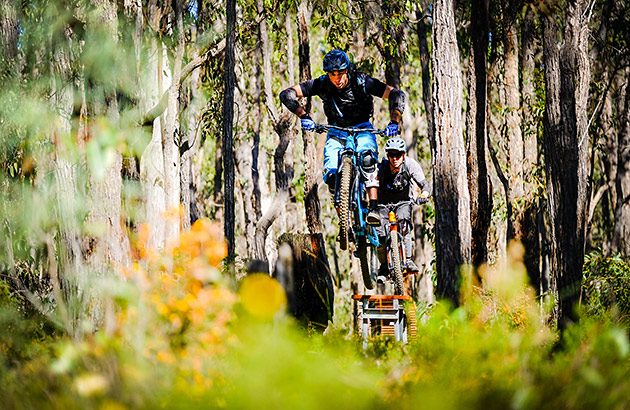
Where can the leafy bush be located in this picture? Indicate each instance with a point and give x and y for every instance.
(606, 287)
(184, 338)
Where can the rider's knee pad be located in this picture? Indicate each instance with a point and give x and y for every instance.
(368, 161)
(368, 168)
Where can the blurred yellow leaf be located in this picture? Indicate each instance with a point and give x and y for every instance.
(262, 296)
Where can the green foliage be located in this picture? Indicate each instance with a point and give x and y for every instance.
(338, 24)
(606, 287)
(24, 335)
(182, 339)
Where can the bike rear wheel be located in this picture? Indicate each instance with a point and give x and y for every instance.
(344, 205)
(367, 258)
(399, 286)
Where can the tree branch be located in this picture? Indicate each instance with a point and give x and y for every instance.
(595, 200)
(158, 109)
(217, 49)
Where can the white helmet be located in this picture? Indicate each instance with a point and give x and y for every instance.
(396, 144)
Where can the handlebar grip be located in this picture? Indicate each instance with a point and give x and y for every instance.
(320, 128)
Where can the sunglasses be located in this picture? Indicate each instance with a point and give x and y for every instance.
(394, 155)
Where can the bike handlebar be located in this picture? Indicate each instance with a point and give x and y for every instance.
(410, 202)
(321, 128)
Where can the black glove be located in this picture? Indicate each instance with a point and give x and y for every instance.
(421, 200)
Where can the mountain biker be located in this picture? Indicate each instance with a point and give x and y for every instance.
(347, 98)
(395, 176)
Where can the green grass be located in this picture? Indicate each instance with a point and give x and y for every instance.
(186, 340)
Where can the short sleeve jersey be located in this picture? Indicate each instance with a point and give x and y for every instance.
(349, 106)
(397, 187)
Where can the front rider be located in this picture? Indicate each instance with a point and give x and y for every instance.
(347, 98)
(395, 176)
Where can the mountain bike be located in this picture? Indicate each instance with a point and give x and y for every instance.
(395, 232)
(352, 201)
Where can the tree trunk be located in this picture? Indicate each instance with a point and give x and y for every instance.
(515, 143)
(392, 43)
(70, 255)
(423, 249)
(478, 182)
(527, 224)
(452, 200)
(621, 235)
(306, 280)
(9, 39)
(564, 160)
(105, 190)
(169, 147)
(228, 118)
(152, 158)
(281, 124)
(109, 249)
(311, 164)
(607, 138)
(244, 161)
(425, 58)
(191, 140)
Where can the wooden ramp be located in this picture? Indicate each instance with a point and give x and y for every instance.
(385, 315)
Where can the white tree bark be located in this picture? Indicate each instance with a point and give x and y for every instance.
(105, 191)
(152, 159)
(170, 149)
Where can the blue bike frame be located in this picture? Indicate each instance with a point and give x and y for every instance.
(360, 227)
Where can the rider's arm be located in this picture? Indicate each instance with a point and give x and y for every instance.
(396, 102)
(290, 95)
(395, 96)
(289, 99)
(426, 188)
(415, 170)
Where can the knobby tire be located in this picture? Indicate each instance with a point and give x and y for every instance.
(344, 205)
(399, 287)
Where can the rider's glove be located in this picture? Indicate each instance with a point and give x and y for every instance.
(392, 129)
(421, 200)
(307, 123)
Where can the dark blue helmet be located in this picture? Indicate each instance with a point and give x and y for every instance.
(336, 60)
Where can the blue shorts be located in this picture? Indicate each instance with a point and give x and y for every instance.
(365, 141)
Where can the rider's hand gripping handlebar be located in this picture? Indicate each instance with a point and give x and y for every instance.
(321, 128)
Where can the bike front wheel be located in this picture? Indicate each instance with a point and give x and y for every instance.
(399, 286)
(344, 202)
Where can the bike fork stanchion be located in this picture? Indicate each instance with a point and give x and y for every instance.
(383, 315)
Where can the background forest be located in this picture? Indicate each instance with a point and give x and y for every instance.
(148, 168)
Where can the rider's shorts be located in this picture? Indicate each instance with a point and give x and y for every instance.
(335, 142)
(403, 213)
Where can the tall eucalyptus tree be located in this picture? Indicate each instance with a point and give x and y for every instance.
(9, 38)
(565, 159)
(452, 197)
(228, 118)
(476, 126)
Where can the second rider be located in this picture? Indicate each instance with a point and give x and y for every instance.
(347, 98)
